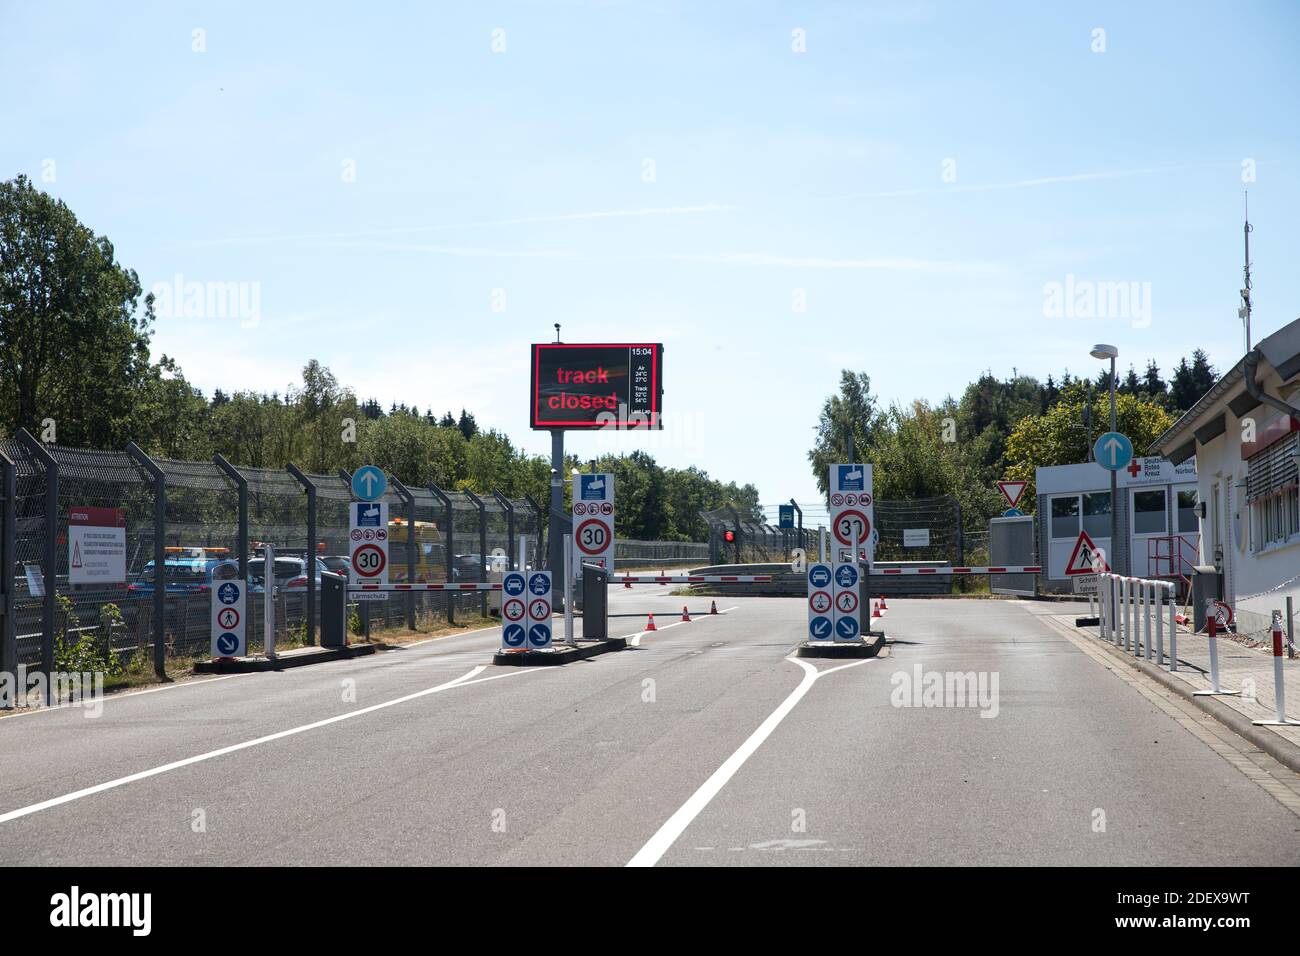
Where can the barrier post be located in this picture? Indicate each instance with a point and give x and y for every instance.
(1160, 623)
(568, 591)
(1212, 629)
(1148, 598)
(1173, 628)
(1279, 685)
(268, 600)
(1126, 598)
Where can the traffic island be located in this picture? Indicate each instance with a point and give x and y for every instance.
(868, 647)
(298, 657)
(559, 654)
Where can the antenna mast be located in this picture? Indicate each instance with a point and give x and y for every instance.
(1243, 313)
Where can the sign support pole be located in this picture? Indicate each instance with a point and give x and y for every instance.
(268, 600)
(568, 591)
(555, 552)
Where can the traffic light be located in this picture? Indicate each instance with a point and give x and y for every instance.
(729, 536)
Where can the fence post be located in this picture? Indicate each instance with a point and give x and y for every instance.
(159, 557)
(241, 486)
(482, 547)
(8, 626)
(50, 570)
(449, 548)
(1157, 599)
(541, 531)
(408, 500)
(509, 507)
(309, 564)
(735, 518)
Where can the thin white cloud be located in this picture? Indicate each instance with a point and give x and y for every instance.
(1028, 183)
(886, 264)
(637, 213)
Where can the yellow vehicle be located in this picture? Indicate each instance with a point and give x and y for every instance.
(429, 566)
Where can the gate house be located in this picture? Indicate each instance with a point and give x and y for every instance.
(1158, 527)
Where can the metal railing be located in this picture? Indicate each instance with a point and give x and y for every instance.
(1128, 607)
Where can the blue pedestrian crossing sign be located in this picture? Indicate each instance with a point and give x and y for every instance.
(1113, 451)
(369, 483)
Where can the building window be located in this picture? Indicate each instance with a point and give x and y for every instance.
(1273, 493)
(1065, 517)
(1149, 512)
(1096, 515)
(1187, 520)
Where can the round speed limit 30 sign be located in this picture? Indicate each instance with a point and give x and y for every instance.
(593, 536)
(852, 525)
(369, 560)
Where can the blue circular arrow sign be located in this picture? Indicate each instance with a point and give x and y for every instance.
(847, 627)
(539, 635)
(819, 628)
(227, 643)
(1113, 451)
(513, 635)
(369, 483)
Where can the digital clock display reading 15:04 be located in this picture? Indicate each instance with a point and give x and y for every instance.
(597, 386)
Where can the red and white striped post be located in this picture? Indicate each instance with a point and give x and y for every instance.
(1279, 686)
(1212, 629)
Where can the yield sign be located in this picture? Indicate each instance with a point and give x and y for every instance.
(1012, 490)
(1085, 558)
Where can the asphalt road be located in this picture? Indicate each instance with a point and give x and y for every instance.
(703, 745)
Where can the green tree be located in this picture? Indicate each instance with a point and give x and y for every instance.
(72, 346)
(1058, 437)
(849, 417)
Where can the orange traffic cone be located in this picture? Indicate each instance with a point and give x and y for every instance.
(876, 612)
(883, 605)
(713, 607)
(686, 615)
(650, 625)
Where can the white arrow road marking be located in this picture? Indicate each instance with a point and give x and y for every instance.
(463, 681)
(667, 834)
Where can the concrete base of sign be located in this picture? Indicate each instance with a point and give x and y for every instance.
(298, 657)
(869, 647)
(1087, 622)
(559, 654)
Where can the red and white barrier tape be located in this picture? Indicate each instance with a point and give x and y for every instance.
(1017, 569)
(694, 579)
(478, 586)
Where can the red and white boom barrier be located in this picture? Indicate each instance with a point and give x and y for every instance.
(476, 586)
(628, 580)
(1016, 569)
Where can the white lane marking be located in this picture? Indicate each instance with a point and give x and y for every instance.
(675, 825)
(635, 640)
(463, 681)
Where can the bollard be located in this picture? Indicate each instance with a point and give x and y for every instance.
(1279, 686)
(1212, 629)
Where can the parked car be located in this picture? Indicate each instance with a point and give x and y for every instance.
(289, 573)
(187, 571)
(338, 564)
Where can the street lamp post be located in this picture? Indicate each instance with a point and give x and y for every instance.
(1112, 353)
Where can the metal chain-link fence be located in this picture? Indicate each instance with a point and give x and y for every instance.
(187, 526)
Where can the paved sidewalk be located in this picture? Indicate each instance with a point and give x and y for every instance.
(1242, 668)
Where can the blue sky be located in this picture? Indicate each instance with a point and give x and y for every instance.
(776, 175)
